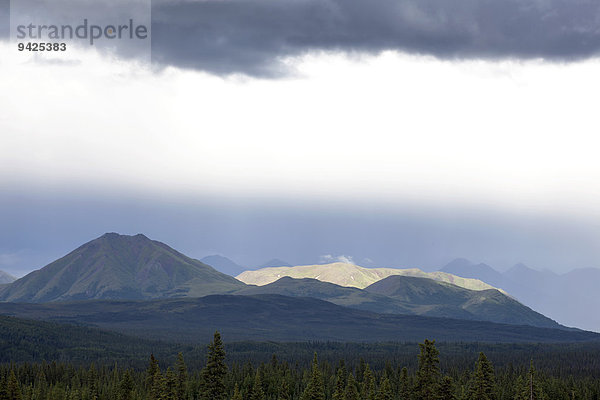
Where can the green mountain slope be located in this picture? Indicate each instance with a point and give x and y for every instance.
(430, 298)
(340, 295)
(275, 317)
(412, 296)
(119, 267)
(352, 275)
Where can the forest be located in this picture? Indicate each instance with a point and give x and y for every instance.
(349, 378)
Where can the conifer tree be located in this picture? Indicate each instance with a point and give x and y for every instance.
(428, 372)
(93, 383)
(13, 392)
(385, 390)
(126, 387)
(3, 393)
(520, 387)
(171, 386)
(342, 366)
(388, 371)
(75, 394)
(153, 368)
(404, 390)
(530, 387)
(315, 390)
(182, 377)
(258, 392)
(368, 384)
(158, 389)
(213, 375)
(362, 365)
(284, 391)
(482, 385)
(340, 384)
(237, 395)
(446, 389)
(351, 392)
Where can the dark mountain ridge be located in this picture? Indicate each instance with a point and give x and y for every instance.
(440, 299)
(412, 296)
(275, 317)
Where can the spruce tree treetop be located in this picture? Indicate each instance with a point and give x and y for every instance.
(351, 391)
(213, 375)
(368, 384)
(483, 386)
(385, 390)
(428, 372)
(182, 377)
(340, 384)
(257, 389)
(153, 368)
(315, 390)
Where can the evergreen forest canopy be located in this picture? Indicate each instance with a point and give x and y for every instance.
(427, 377)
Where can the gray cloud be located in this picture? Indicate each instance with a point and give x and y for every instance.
(4, 19)
(252, 36)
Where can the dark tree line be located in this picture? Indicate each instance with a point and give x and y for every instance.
(280, 380)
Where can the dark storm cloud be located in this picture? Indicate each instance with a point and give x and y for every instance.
(251, 36)
(4, 19)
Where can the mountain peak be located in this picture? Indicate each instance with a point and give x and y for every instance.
(458, 262)
(466, 269)
(116, 266)
(521, 266)
(118, 236)
(223, 264)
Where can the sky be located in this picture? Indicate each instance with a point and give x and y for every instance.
(403, 134)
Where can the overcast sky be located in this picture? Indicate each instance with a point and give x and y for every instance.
(406, 134)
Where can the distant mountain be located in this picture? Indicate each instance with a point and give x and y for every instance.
(440, 299)
(275, 317)
(275, 262)
(467, 269)
(119, 267)
(223, 264)
(6, 278)
(351, 275)
(521, 273)
(567, 298)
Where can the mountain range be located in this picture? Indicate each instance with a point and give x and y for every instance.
(399, 294)
(568, 298)
(351, 275)
(138, 286)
